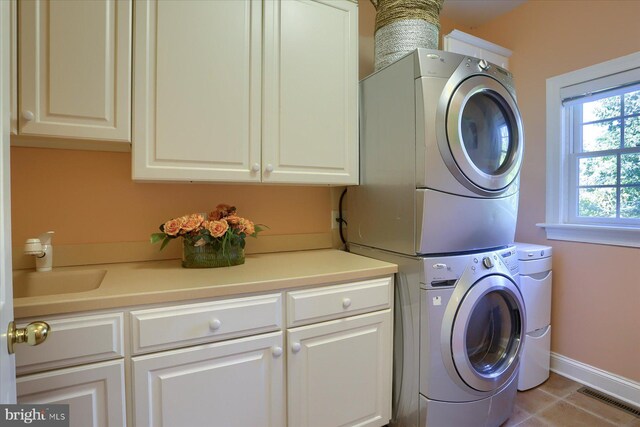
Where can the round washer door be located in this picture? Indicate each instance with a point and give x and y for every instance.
(484, 135)
(487, 333)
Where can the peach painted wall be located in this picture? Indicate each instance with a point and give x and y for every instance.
(596, 290)
(89, 197)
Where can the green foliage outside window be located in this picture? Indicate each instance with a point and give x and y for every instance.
(609, 183)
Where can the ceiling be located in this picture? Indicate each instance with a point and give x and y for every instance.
(473, 13)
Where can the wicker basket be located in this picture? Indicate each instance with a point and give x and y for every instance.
(403, 26)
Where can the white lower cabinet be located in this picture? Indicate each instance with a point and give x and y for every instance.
(76, 356)
(95, 392)
(223, 362)
(231, 383)
(339, 372)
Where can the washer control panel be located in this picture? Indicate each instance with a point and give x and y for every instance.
(444, 271)
(487, 263)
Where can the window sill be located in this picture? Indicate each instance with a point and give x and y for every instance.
(604, 235)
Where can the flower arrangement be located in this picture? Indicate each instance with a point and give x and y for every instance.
(221, 235)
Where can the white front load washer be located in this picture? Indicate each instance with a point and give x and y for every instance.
(459, 325)
(441, 144)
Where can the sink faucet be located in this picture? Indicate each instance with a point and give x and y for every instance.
(42, 249)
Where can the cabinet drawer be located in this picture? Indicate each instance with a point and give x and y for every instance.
(333, 302)
(73, 341)
(179, 326)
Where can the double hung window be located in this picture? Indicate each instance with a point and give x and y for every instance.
(593, 154)
(604, 157)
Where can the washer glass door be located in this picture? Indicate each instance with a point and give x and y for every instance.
(484, 133)
(487, 333)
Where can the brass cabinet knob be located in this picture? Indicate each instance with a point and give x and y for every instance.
(35, 333)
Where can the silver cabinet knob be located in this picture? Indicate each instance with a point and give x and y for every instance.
(215, 324)
(296, 347)
(27, 115)
(255, 167)
(276, 351)
(269, 168)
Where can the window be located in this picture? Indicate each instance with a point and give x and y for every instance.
(605, 157)
(593, 154)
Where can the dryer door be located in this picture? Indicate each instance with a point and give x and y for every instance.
(487, 333)
(484, 136)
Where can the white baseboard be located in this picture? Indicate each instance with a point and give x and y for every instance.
(614, 385)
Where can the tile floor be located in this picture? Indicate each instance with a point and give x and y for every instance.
(557, 403)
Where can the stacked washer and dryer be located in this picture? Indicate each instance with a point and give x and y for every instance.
(441, 150)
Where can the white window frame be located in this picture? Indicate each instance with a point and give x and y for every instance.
(558, 224)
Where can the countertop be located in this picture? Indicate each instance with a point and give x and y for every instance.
(139, 283)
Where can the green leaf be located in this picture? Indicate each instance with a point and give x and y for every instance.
(156, 237)
(165, 242)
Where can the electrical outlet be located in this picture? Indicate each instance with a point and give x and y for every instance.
(334, 219)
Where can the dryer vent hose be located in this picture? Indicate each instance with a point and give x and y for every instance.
(405, 25)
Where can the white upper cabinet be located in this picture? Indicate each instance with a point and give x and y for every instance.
(197, 90)
(310, 121)
(246, 91)
(75, 69)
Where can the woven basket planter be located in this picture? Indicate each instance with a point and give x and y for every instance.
(403, 26)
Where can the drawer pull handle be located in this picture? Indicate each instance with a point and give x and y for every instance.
(276, 351)
(215, 324)
(346, 303)
(295, 347)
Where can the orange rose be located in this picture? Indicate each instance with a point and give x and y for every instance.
(249, 227)
(222, 211)
(192, 222)
(217, 228)
(214, 216)
(234, 220)
(172, 227)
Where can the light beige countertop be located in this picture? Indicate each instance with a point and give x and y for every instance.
(138, 283)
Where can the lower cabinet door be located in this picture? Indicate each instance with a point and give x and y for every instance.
(339, 372)
(95, 392)
(232, 383)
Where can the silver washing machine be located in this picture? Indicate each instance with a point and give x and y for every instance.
(441, 145)
(459, 325)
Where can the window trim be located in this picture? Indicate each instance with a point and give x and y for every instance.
(557, 224)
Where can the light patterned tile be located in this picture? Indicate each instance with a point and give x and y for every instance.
(518, 415)
(559, 386)
(534, 400)
(533, 422)
(634, 423)
(603, 410)
(564, 414)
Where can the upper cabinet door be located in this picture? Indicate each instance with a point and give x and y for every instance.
(75, 68)
(310, 114)
(197, 90)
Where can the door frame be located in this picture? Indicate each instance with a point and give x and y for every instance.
(7, 361)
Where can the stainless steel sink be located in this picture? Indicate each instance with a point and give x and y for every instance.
(34, 284)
